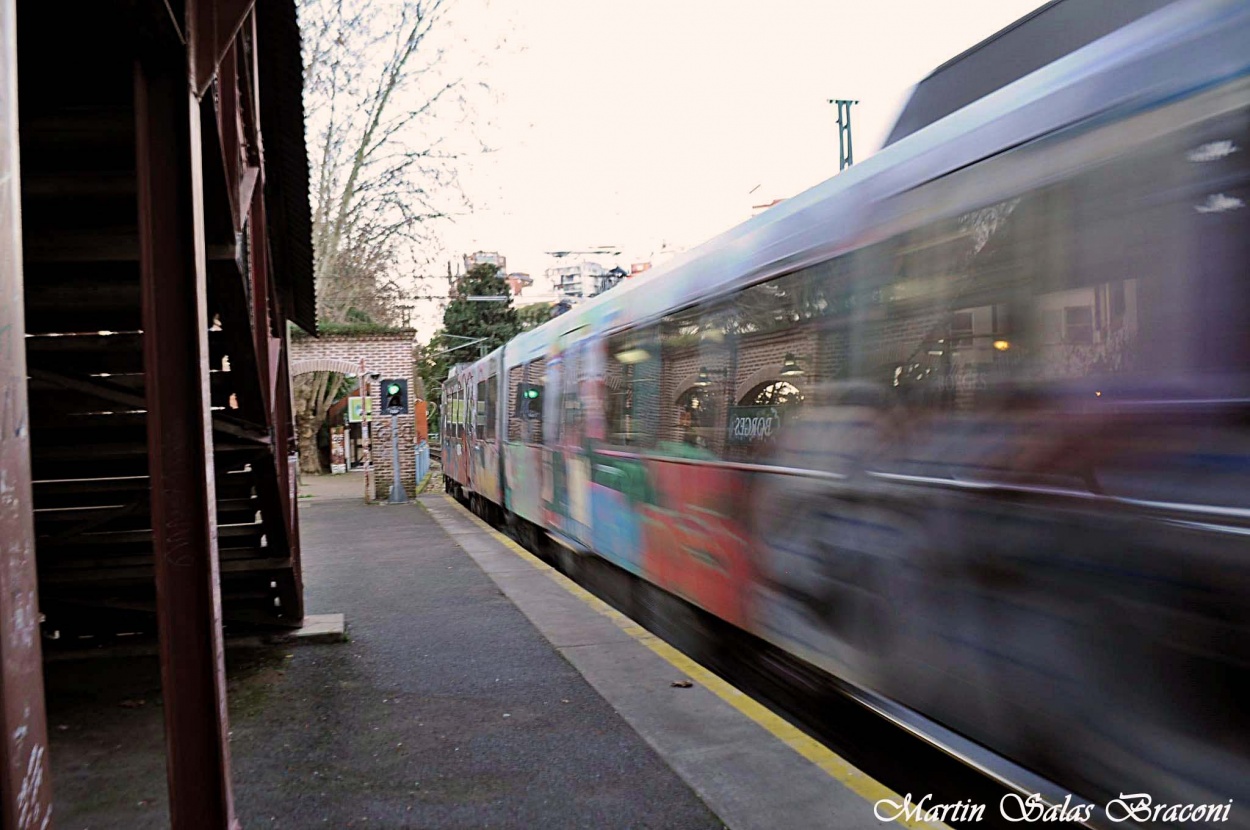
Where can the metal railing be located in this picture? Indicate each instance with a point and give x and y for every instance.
(423, 460)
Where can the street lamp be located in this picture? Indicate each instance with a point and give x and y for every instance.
(705, 376)
(790, 367)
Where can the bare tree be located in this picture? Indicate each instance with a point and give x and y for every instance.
(314, 392)
(387, 106)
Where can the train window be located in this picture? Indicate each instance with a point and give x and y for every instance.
(492, 383)
(480, 413)
(1122, 274)
(451, 414)
(530, 402)
(791, 342)
(516, 377)
(462, 412)
(572, 419)
(933, 327)
(633, 389)
(699, 369)
(551, 399)
(1146, 259)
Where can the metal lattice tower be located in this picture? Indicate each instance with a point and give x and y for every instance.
(845, 155)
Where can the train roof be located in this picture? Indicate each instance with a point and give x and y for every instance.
(1184, 47)
(1043, 36)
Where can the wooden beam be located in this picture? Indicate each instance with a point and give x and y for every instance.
(173, 280)
(213, 26)
(25, 782)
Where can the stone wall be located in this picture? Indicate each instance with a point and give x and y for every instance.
(390, 355)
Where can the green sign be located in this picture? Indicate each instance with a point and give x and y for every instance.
(355, 410)
(753, 424)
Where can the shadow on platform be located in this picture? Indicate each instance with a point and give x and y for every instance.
(446, 707)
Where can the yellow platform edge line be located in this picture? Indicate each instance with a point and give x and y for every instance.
(826, 759)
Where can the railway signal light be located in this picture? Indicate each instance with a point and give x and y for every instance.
(529, 401)
(395, 396)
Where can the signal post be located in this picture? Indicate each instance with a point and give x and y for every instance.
(395, 403)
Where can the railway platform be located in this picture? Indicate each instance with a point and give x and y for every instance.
(478, 688)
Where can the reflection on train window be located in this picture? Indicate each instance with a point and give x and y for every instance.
(697, 372)
(1065, 296)
(570, 404)
(480, 416)
(516, 375)
(462, 406)
(491, 406)
(792, 338)
(632, 382)
(530, 401)
(697, 416)
(453, 412)
(773, 393)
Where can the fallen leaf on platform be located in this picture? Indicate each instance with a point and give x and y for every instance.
(682, 684)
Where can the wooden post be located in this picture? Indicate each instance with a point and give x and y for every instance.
(180, 447)
(25, 786)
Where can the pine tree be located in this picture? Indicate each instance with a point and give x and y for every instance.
(496, 321)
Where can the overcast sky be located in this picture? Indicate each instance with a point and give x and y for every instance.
(637, 123)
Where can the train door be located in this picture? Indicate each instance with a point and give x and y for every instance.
(552, 458)
(453, 433)
(569, 504)
(485, 455)
(472, 420)
(625, 425)
(523, 456)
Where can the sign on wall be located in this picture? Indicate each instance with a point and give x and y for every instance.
(354, 409)
(753, 424)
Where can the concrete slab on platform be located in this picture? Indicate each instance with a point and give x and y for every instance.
(318, 629)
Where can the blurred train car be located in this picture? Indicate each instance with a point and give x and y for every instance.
(967, 426)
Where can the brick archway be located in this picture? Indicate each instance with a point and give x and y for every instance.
(325, 364)
(765, 374)
(390, 355)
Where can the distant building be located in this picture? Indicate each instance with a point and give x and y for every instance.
(518, 282)
(579, 281)
(471, 261)
(486, 258)
(614, 276)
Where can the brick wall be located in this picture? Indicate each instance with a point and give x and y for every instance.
(391, 356)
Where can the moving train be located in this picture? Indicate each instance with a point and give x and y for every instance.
(966, 426)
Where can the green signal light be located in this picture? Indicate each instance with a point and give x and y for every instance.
(531, 393)
(393, 389)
